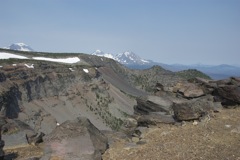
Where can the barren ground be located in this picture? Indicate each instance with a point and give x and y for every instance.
(216, 139)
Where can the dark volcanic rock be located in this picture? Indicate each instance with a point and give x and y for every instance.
(153, 104)
(194, 109)
(229, 94)
(18, 134)
(189, 90)
(226, 91)
(77, 139)
(2, 77)
(154, 119)
(9, 104)
(35, 138)
(2, 122)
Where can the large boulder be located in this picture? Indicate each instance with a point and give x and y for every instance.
(229, 93)
(195, 108)
(18, 134)
(189, 90)
(226, 91)
(153, 104)
(78, 139)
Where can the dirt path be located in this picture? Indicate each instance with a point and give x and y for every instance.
(216, 139)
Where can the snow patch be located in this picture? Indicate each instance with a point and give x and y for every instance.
(85, 70)
(29, 66)
(4, 55)
(1, 66)
(144, 61)
(71, 69)
(21, 44)
(62, 60)
(126, 53)
(131, 58)
(14, 65)
(102, 54)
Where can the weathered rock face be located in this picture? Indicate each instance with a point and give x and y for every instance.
(153, 110)
(194, 109)
(9, 102)
(153, 104)
(2, 77)
(228, 94)
(226, 91)
(2, 122)
(19, 134)
(189, 90)
(154, 119)
(77, 139)
(51, 93)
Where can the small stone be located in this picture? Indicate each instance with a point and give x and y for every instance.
(135, 139)
(236, 130)
(184, 123)
(141, 142)
(227, 126)
(195, 123)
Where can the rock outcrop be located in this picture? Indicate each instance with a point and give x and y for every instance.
(195, 108)
(18, 134)
(153, 104)
(155, 118)
(189, 90)
(226, 91)
(77, 139)
(2, 122)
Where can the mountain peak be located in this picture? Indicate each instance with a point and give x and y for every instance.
(102, 54)
(20, 47)
(129, 57)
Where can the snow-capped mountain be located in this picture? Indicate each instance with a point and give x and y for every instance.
(20, 47)
(126, 58)
(130, 58)
(102, 54)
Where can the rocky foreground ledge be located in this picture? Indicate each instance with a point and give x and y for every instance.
(198, 119)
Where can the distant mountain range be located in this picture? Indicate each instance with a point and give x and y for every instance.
(132, 60)
(126, 58)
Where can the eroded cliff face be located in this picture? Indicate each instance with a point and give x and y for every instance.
(51, 93)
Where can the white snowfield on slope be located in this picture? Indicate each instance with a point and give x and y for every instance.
(62, 60)
(68, 60)
(4, 55)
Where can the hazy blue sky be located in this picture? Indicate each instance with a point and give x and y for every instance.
(168, 31)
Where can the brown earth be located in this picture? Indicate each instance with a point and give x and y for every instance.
(215, 139)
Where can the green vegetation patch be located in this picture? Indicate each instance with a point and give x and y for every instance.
(192, 73)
